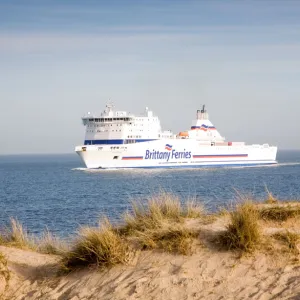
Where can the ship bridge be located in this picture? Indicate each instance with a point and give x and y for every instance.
(120, 127)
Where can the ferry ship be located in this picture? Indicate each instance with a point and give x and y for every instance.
(117, 139)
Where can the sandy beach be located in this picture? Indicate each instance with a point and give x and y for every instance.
(271, 272)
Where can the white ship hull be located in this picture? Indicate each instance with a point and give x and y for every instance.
(174, 153)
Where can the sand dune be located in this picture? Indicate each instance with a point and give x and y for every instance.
(209, 273)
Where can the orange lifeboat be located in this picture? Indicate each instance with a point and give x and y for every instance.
(183, 134)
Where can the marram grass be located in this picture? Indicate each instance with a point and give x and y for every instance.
(159, 224)
(280, 213)
(50, 244)
(16, 235)
(290, 239)
(100, 247)
(242, 232)
(160, 209)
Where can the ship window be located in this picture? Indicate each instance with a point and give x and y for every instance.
(116, 157)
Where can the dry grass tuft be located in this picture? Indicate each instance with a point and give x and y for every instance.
(279, 213)
(159, 224)
(50, 244)
(243, 231)
(17, 236)
(161, 209)
(174, 239)
(193, 209)
(100, 247)
(271, 199)
(290, 239)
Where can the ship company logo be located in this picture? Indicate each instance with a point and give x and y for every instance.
(203, 127)
(168, 147)
(169, 154)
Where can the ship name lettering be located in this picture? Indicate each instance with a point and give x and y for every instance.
(166, 155)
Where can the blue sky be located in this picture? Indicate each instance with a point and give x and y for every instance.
(60, 59)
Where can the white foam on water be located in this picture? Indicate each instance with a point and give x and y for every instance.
(288, 164)
(160, 170)
(265, 166)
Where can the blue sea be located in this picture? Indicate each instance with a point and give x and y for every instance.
(56, 191)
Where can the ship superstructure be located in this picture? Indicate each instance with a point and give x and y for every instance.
(117, 139)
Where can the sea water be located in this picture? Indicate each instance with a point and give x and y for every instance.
(56, 191)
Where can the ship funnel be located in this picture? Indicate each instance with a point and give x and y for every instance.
(202, 114)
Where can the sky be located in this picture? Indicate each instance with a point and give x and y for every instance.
(60, 59)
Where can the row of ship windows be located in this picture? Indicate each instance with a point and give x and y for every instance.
(114, 147)
(113, 130)
(116, 119)
(114, 124)
(109, 119)
(109, 125)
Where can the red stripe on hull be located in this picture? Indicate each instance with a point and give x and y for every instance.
(219, 156)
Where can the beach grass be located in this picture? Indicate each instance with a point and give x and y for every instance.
(279, 213)
(101, 247)
(242, 232)
(159, 224)
(50, 244)
(290, 239)
(16, 236)
(175, 239)
(270, 199)
(160, 209)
